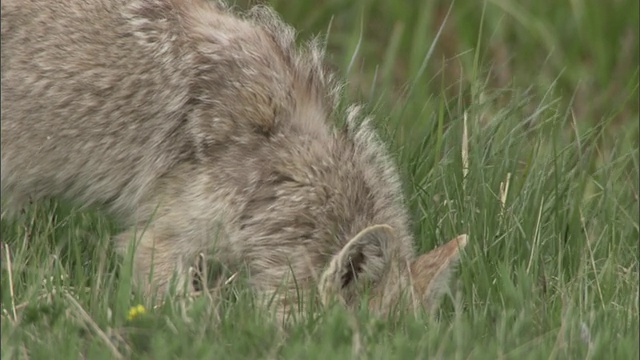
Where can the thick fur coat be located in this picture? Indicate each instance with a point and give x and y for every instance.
(205, 130)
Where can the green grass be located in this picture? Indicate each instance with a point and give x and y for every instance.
(549, 91)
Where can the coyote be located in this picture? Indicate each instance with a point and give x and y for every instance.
(204, 129)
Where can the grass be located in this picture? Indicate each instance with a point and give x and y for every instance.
(547, 95)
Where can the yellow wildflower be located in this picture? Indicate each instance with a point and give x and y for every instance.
(136, 311)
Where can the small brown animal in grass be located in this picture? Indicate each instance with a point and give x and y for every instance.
(216, 131)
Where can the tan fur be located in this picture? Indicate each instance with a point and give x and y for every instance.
(206, 131)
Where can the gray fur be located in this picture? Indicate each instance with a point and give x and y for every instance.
(217, 125)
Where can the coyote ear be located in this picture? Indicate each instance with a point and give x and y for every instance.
(364, 254)
(431, 272)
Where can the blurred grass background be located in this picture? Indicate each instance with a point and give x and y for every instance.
(588, 50)
(544, 97)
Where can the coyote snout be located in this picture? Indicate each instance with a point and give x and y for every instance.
(205, 130)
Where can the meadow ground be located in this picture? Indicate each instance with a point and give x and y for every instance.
(514, 121)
